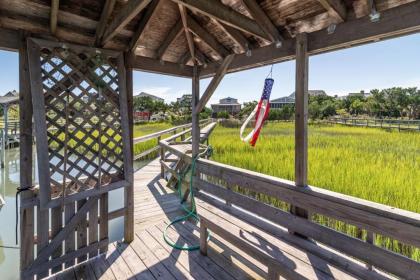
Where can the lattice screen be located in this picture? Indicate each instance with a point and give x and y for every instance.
(83, 120)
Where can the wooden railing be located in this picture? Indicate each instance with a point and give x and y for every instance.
(413, 125)
(180, 131)
(255, 193)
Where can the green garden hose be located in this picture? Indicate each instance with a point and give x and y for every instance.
(190, 213)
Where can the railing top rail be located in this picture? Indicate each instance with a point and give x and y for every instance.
(163, 132)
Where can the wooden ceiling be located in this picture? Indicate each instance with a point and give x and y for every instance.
(183, 31)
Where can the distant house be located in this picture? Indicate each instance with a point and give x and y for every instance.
(290, 100)
(153, 97)
(185, 101)
(227, 104)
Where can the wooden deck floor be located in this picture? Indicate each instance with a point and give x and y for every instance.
(149, 257)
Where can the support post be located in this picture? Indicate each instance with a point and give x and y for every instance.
(6, 125)
(195, 126)
(301, 118)
(25, 131)
(129, 191)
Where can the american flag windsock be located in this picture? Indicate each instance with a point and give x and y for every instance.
(260, 112)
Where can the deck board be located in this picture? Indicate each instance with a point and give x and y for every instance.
(148, 257)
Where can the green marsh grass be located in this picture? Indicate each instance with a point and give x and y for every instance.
(369, 163)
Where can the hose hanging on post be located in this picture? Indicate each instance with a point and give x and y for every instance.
(190, 213)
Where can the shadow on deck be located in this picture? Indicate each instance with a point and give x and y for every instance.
(149, 257)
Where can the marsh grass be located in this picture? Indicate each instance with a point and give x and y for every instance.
(369, 163)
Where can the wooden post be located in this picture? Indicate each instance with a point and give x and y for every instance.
(25, 150)
(6, 125)
(126, 94)
(301, 118)
(195, 126)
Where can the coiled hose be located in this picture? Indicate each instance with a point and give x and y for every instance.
(190, 213)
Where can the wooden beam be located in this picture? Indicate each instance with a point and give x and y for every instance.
(225, 14)
(190, 41)
(9, 40)
(214, 83)
(126, 14)
(155, 66)
(236, 35)
(301, 118)
(208, 39)
(54, 13)
(106, 13)
(347, 34)
(173, 34)
(185, 58)
(336, 9)
(195, 121)
(142, 25)
(264, 21)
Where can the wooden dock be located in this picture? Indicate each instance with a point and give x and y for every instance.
(149, 257)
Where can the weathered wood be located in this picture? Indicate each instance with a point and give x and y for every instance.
(155, 66)
(9, 39)
(54, 14)
(106, 13)
(93, 228)
(207, 38)
(128, 161)
(399, 224)
(188, 35)
(40, 124)
(150, 10)
(173, 34)
(350, 33)
(56, 225)
(81, 227)
(336, 8)
(236, 36)
(25, 154)
(195, 127)
(225, 14)
(203, 238)
(301, 117)
(214, 83)
(103, 226)
(70, 241)
(125, 15)
(264, 21)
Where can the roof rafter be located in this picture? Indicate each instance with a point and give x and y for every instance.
(53, 15)
(150, 10)
(190, 41)
(336, 8)
(225, 14)
(263, 21)
(173, 34)
(208, 39)
(127, 13)
(240, 40)
(106, 13)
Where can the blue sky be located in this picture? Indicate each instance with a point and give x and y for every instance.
(380, 65)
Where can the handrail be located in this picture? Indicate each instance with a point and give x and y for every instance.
(412, 125)
(217, 179)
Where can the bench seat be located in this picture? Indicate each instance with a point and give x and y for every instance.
(277, 250)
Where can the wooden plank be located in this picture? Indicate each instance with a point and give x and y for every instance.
(103, 226)
(301, 117)
(84, 271)
(42, 230)
(124, 16)
(106, 13)
(235, 35)
(39, 123)
(225, 14)
(136, 265)
(101, 269)
(54, 14)
(214, 83)
(347, 34)
(156, 267)
(135, 39)
(207, 38)
(56, 226)
(70, 241)
(336, 8)
(264, 21)
(155, 66)
(93, 228)
(169, 38)
(81, 228)
(188, 35)
(9, 40)
(25, 155)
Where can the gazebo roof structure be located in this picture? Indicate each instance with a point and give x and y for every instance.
(166, 36)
